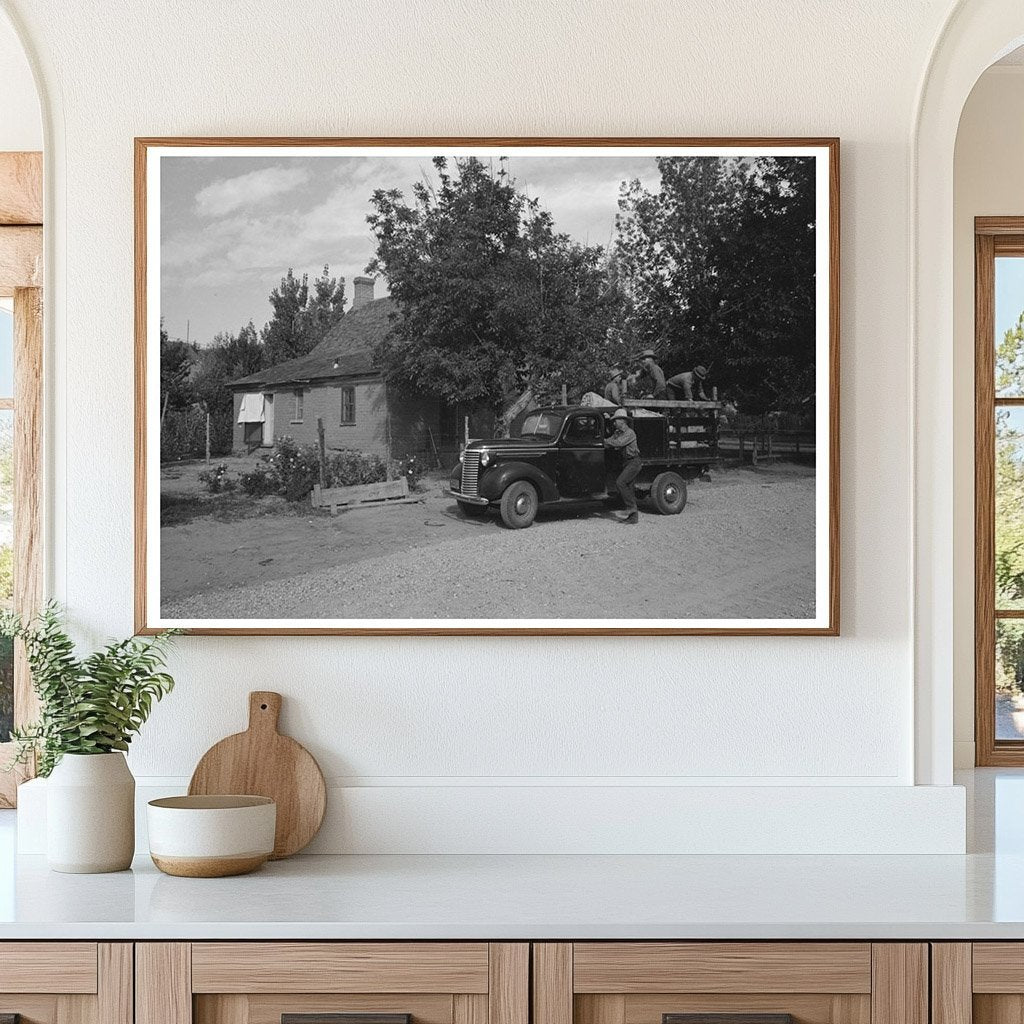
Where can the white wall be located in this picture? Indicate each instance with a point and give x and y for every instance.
(445, 714)
(987, 181)
(21, 126)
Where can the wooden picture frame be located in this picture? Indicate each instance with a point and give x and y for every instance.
(826, 606)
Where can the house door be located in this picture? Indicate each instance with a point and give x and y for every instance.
(268, 419)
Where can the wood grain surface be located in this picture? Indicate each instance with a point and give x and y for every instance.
(21, 188)
(305, 967)
(262, 762)
(64, 967)
(633, 967)
(899, 989)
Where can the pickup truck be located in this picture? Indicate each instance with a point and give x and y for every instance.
(557, 459)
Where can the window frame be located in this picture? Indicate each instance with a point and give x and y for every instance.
(298, 406)
(350, 390)
(993, 237)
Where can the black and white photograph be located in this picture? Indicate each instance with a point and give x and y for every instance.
(462, 386)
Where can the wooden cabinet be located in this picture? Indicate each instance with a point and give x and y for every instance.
(978, 983)
(308, 982)
(66, 982)
(752, 982)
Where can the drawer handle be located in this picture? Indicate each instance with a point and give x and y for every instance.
(727, 1018)
(339, 1018)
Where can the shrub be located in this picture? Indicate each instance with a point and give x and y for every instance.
(259, 482)
(217, 480)
(411, 467)
(344, 469)
(294, 468)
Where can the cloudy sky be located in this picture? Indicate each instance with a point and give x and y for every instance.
(231, 226)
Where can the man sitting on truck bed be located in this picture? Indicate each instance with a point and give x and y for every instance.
(624, 440)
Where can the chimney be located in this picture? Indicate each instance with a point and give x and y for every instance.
(363, 291)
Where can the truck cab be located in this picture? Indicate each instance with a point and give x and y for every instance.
(558, 458)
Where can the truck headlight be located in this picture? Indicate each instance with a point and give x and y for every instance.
(460, 456)
(485, 459)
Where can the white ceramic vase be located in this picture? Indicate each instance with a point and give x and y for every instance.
(90, 814)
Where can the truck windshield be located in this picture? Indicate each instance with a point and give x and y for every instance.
(542, 424)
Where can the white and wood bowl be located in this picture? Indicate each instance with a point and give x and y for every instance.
(211, 836)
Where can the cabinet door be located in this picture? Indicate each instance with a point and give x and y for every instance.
(332, 983)
(730, 983)
(980, 982)
(65, 983)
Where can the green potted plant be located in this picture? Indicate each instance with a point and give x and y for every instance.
(90, 708)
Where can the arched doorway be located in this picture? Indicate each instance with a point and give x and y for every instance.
(21, 251)
(976, 34)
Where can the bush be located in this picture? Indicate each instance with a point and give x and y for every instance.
(259, 482)
(216, 480)
(411, 467)
(294, 468)
(347, 468)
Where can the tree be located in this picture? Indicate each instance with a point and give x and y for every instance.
(301, 320)
(490, 297)
(719, 264)
(175, 372)
(283, 335)
(326, 306)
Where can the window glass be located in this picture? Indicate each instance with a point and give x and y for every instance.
(1009, 327)
(6, 353)
(6, 568)
(1009, 524)
(584, 428)
(1009, 679)
(297, 416)
(348, 405)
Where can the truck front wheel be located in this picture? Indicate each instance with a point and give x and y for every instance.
(668, 494)
(519, 505)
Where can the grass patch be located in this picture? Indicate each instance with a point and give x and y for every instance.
(179, 509)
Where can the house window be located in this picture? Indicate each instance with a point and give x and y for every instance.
(297, 408)
(348, 405)
(999, 491)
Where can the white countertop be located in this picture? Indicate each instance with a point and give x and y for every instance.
(516, 897)
(977, 896)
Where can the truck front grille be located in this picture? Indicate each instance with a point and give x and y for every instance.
(470, 473)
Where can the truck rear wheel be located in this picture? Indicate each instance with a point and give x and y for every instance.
(519, 505)
(668, 494)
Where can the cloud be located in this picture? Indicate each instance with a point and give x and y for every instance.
(228, 194)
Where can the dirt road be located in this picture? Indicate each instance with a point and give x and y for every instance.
(742, 548)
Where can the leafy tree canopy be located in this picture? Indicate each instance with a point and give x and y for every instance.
(719, 264)
(491, 298)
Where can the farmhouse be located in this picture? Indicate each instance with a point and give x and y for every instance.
(337, 383)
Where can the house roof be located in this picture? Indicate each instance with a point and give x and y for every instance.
(346, 351)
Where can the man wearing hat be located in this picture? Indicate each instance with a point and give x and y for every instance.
(624, 440)
(613, 389)
(683, 385)
(654, 373)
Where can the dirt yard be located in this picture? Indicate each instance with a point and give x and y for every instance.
(742, 548)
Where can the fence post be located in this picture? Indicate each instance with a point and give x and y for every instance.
(207, 437)
(321, 450)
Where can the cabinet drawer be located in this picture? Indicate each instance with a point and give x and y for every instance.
(730, 983)
(635, 967)
(66, 982)
(332, 983)
(65, 967)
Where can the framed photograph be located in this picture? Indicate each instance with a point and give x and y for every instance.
(484, 385)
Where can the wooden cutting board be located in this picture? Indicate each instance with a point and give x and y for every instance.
(262, 762)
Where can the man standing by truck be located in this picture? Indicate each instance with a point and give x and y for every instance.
(624, 441)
